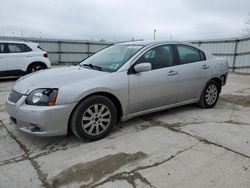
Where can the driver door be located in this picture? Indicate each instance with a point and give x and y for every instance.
(157, 87)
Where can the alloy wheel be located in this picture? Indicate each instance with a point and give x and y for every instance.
(96, 119)
(211, 94)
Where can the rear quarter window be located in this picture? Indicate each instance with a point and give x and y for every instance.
(203, 56)
(188, 54)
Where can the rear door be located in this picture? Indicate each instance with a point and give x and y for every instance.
(193, 71)
(3, 64)
(157, 87)
(18, 57)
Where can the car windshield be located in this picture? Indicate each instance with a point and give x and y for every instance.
(112, 58)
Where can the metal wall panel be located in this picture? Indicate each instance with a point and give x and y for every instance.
(219, 48)
(236, 51)
(49, 46)
(243, 46)
(73, 58)
(53, 57)
(69, 51)
(242, 61)
(96, 47)
(74, 47)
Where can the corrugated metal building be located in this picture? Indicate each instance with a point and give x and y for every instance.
(70, 51)
(236, 51)
(66, 51)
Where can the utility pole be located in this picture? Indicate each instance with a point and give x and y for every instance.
(154, 33)
(13, 34)
(22, 34)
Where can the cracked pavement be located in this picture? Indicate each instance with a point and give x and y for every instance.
(180, 147)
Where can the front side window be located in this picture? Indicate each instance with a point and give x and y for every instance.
(188, 54)
(112, 58)
(159, 57)
(1, 47)
(18, 48)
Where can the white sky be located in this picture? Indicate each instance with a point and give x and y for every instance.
(116, 20)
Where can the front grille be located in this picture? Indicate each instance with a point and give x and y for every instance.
(14, 96)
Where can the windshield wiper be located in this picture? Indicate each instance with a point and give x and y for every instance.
(92, 66)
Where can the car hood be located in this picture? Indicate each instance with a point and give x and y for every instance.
(55, 78)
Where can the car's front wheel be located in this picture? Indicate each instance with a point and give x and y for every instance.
(93, 118)
(210, 95)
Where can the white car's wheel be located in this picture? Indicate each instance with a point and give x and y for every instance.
(36, 67)
(93, 118)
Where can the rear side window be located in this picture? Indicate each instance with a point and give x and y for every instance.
(1, 48)
(18, 48)
(189, 54)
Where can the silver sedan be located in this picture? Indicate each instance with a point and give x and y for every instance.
(118, 83)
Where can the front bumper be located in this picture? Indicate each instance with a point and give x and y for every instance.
(40, 120)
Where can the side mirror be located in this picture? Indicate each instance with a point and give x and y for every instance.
(143, 67)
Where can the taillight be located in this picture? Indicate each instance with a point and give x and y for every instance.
(45, 55)
(227, 65)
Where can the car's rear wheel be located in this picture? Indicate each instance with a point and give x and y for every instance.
(210, 95)
(93, 118)
(36, 67)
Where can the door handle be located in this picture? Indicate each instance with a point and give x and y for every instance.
(172, 73)
(205, 66)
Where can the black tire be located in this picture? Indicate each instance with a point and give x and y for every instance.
(36, 67)
(204, 101)
(77, 121)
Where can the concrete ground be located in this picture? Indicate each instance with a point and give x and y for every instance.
(181, 147)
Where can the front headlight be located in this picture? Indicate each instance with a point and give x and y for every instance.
(42, 97)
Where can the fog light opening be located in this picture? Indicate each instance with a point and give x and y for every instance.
(13, 120)
(34, 128)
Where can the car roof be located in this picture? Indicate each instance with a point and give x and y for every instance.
(32, 45)
(15, 41)
(149, 42)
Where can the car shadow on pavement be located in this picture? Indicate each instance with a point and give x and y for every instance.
(7, 79)
(45, 145)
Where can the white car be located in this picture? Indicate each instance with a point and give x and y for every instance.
(19, 58)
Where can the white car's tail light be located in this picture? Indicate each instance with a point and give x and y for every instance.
(45, 55)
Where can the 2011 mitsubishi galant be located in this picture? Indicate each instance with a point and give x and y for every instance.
(120, 82)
